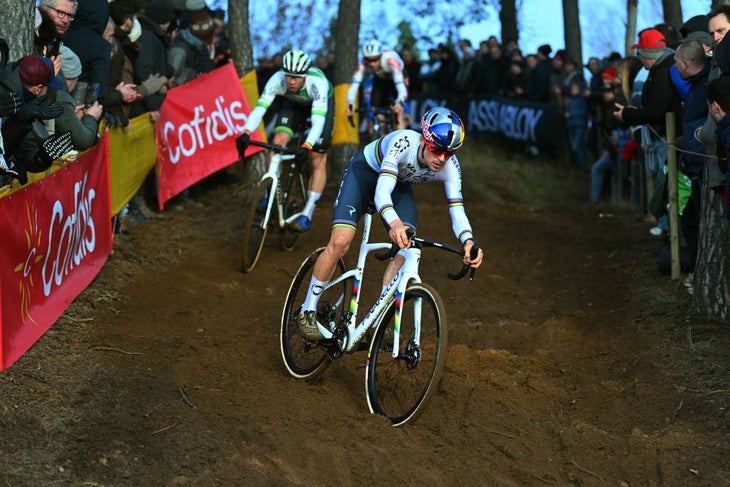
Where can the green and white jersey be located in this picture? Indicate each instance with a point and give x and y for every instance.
(316, 91)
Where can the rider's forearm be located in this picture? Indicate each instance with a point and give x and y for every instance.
(316, 131)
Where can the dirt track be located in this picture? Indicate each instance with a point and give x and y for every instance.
(562, 367)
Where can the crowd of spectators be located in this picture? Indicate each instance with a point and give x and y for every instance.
(97, 61)
(94, 62)
(615, 111)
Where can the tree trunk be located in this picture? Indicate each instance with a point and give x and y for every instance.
(632, 7)
(673, 13)
(16, 26)
(239, 39)
(508, 20)
(240, 36)
(711, 292)
(571, 26)
(347, 51)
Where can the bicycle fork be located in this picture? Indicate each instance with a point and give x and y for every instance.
(406, 274)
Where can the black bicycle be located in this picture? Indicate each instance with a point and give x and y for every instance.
(384, 120)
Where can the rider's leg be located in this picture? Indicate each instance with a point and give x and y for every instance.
(317, 182)
(279, 138)
(337, 247)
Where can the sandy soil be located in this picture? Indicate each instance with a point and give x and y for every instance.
(571, 362)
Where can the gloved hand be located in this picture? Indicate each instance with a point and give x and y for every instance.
(11, 171)
(34, 111)
(303, 153)
(9, 103)
(52, 148)
(152, 84)
(241, 144)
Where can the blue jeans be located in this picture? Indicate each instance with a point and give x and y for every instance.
(576, 136)
(605, 166)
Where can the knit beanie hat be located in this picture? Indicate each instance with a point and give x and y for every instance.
(121, 10)
(38, 70)
(158, 11)
(701, 36)
(195, 5)
(70, 63)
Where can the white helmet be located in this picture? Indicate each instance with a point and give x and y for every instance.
(296, 63)
(372, 48)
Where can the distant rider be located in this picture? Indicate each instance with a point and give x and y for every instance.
(389, 86)
(306, 92)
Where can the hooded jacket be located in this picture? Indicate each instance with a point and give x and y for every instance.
(659, 96)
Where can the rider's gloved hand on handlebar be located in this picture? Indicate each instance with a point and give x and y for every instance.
(241, 143)
(303, 152)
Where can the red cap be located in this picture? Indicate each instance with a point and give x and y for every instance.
(37, 70)
(610, 74)
(34, 71)
(650, 39)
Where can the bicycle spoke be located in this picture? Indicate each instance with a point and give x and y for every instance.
(303, 358)
(399, 388)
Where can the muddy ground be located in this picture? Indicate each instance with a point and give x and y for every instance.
(571, 361)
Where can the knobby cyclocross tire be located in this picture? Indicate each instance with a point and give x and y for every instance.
(400, 388)
(303, 358)
(254, 228)
(295, 197)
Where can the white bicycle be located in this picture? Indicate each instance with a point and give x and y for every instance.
(286, 194)
(406, 328)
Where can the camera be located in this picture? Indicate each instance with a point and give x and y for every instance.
(53, 49)
(92, 93)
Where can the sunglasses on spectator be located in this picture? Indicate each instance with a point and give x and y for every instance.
(372, 59)
(62, 14)
(438, 152)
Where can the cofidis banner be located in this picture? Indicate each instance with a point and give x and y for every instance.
(199, 122)
(56, 236)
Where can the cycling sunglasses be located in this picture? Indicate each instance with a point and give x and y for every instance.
(438, 152)
(372, 59)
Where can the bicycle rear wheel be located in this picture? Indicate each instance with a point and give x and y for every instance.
(254, 232)
(303, 358)
(295, 197)
(399, 388)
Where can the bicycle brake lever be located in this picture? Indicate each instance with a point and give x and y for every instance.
(394, 248)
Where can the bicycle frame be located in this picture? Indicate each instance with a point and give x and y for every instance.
(394, 290)
(273, 174)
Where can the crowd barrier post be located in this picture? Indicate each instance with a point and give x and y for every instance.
(672, 196)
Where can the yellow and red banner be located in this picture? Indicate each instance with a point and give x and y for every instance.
(131, 159)
(198, 126)
(56, 238)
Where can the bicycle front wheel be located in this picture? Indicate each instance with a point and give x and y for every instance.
(303, 358)
(399, 388)
(254, 232)
(295, 197)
